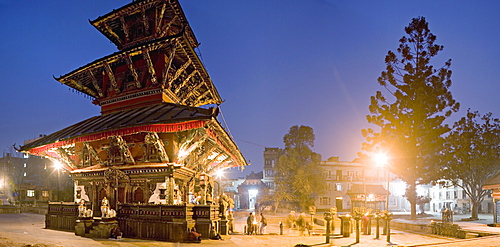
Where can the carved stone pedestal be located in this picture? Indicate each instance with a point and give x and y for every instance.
(103, 229)
(83, 226)
(223, 227)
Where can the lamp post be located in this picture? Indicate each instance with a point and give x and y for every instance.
(58, 166)
(218, 179)
(381, 159)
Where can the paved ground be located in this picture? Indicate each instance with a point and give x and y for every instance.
(28, 230)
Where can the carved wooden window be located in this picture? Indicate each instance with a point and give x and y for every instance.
(121, 195)
(150, 152)
(102, 194)
(114, 155)
(86, 157)
(139, 195)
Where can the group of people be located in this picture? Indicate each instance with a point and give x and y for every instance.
(300, 223)
(256, 226)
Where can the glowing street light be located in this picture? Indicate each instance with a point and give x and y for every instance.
(219, 173)
(381, 159)
(58, 165)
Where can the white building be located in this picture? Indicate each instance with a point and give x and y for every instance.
(445, 195)
(351, 183)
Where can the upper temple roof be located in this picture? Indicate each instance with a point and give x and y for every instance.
(159, 65)
(142, 21)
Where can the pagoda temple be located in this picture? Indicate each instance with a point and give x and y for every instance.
(151, 154)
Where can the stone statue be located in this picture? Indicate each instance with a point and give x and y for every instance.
(82, 209)
(224, 205)
(89, 213)
(111, 213)
(105, 207)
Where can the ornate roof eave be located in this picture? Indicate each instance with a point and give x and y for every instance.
(64, 79)
(222, 138)
(135, 6)
(199, 65)
(164, 42)
(158, 118)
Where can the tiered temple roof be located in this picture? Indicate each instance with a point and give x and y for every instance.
(154, 85)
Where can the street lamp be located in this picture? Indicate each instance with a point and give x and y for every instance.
(218, 179)
(58, 166)
(381, 160)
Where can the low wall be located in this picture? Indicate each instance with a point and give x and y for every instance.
(34, 210)
(144, 221)
(61, 216)
(9, 209)
(448, 230)
(422, 228)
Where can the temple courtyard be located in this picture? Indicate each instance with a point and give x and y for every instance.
(27, 229)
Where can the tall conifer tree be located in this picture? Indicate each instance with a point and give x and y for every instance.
(410, 113)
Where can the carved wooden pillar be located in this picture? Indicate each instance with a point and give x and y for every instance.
(170, 181)
(128, 192)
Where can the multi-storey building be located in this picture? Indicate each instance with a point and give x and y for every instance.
(271, 156)
(445, 195)
(351, 184)
(32, 179)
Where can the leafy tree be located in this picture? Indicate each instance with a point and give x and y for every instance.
(297, 172)
(279, 197)
(472, 154)
(411, 115)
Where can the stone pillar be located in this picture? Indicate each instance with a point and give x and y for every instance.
(223, 227)
(345, 228)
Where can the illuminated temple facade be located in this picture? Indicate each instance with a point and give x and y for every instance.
(157, 142)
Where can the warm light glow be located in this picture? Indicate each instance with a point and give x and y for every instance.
(212, 156)
(219, 173)
(182, 153)
(252, 193)
(380, 159)
(58, 165)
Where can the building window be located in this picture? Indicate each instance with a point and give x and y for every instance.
(324, 201)
(45, 193)
(338, 187)
(30, 193)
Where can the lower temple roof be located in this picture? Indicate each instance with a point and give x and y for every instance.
(152, 118)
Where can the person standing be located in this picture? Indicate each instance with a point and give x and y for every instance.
(263, 224)
(301, 223)
(250, 226)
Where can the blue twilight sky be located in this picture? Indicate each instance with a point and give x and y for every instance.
(276, 63)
